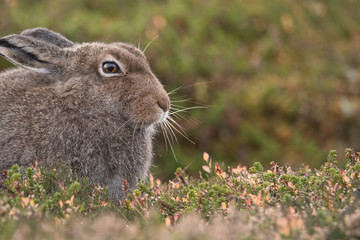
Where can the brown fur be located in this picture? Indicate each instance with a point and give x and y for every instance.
(60, 108)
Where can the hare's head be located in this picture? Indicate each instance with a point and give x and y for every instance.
(116, 75)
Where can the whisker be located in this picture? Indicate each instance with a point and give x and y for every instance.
(142, 130)
(178, 115)
(171, 147)
(173, 136)
(183, 100)
(179, 126)
(170, 127)
(195, 84)
(188, 86)
(162, 130)
(168, 132)
(200, 104)
(186, 118)
(186, 109)
(180, 132)
(150, 43)
(168, 136)
(133, 139)
(189, 101)
(139, 42)
(122, 126)
(177, 106)
(172, 91)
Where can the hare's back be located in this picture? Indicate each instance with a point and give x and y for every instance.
(22, 78)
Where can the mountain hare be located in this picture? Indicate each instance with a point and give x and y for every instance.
(92, 106)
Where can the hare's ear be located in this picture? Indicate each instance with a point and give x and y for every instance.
(30, 53)
(48, 36)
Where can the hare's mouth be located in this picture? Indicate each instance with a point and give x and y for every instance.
(163, 117)
(145, 122)
(142, 125)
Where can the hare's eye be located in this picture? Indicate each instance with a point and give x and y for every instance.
(111, 68)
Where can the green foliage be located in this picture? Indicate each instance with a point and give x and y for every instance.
(256, 168)
(283, 74)
(56, 192)
(286, 203)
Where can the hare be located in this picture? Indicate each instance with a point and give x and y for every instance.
(92, 106)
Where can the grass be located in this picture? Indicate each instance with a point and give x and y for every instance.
(281, 77)
(223, 202)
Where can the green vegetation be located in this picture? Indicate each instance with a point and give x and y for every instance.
(281, 77)
(225, 202)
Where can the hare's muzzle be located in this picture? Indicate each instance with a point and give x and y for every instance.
(163, 102)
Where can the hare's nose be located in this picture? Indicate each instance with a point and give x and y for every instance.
(164, 104)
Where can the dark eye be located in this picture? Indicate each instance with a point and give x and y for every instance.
(111, 67)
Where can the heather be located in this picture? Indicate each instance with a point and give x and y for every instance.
(280, 78)
(233, 202)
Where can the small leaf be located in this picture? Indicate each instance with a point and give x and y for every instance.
(176, 217)
(77, 208)
(167, 222)
(292, 210)
(219, 172)
(206, 168)
(158, 182)
(257, 199)
(174, 185)
(206, 157)
(291, 185)
(151, 178)
(24, 202)
(11, 212)
(61, 203)
(252, 181)
(71, 201)
(345, 178)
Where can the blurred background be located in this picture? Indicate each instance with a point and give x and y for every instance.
(281, 78)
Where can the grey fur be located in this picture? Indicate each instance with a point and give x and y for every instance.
(48, 37)
(59, 107)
